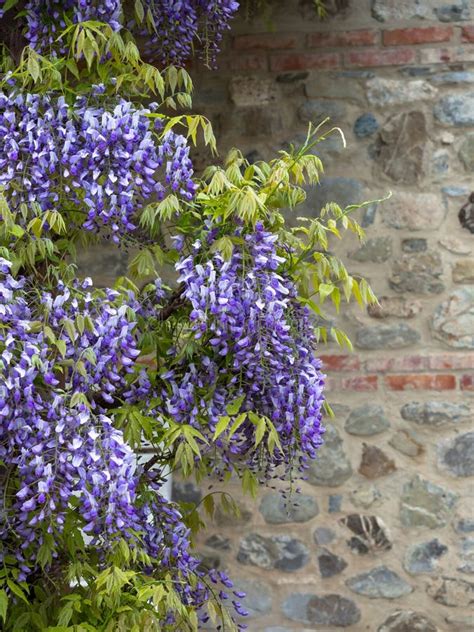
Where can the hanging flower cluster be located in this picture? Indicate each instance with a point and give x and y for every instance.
(258, 350)
(60, 444)
(172, 28)
(109, 160)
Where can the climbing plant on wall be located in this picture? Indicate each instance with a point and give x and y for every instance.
(216, 373)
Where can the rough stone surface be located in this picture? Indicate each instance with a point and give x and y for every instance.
(456, 110)
(280, 552)
(463, 271)
(185, 492)
(453, 319)
(407, 621)
(403, 441)
(376, 250)
(379, 583)
(332, 467)
(322, 610)
(323, 535)
(278, 510)
(401, 146)
(366, 125)
(371, 534)
(252, 91)
(436, 413)
(367, 420)
(382, 92)
(258, 600)
(334, 503)
(414, 211)
(396, 306)
(342, 190)
(456, 456)
(454, 245)
(230, 519)
(316, 110)
(425, 504)
(424, 557)
(451, 591)
(417, 244)
(466, 152)
(330, 564)
(390, 10)
(386, 337)
(375, 462)
(466, 556)
(365, 497)
(419, 273)
(219, 542)
(461, 623)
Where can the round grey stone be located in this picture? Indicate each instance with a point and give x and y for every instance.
(329, 563)
(456, 109)
(386, 337)
(322, 610)
(419, 273)
(434, 413)
(323, 535)
(277, 509)
(414, 245)
(366, 125)
(407, 621)
(423, 557)
(281, 552)
(375, 250)
(379, 583)
(331, 467)
(257, 600)
(367, 420)
(466, 152)
(185, 492)
(457, 455)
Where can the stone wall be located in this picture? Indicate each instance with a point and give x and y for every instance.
(384, 527)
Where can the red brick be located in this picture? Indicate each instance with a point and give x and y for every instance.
(340, 362)
(404, 363)
(467, 382)
(402, 37)
(467, 34)
(342, 38)
(362, 383)
(267, 41)
(373, 57)
(451, 361)
(248, 62)
(304, 61)
(446, 55)
(420, 382)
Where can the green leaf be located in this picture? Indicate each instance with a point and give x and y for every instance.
(139, 11)
(222, 424)
(33, 67)
(9, 4)
(3, 605)
(260, 431)
(234, 407)
(16, 590)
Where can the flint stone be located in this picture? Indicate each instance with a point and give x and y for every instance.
(453, 319)
(280, 552)
(396, 306)
(414, 211)
(466, 554)
(466, 152)
(366, 125)
(383, 92)
(366, 421)
(375, 462)
(370, 534)
(334, 503)
(316, 110)
(456, 109)
(230, 519)
(376, 250)
(344, 191)
(330, 564)
(257, 599)
(423, 557)
(465, 525)
(386, 337)
(401, 146)
(407, 621)
(440, 163)
(278, 510)
(425, 504)
(365, 497)
(458, 76)
(435, 413)
(451, 591)
(463, 271)
(331, 467)
(219, 542)
(379, 583)
(455, 246)
(403, 441)
(418, 273)
(323, 535)
(390, 10)
(330, 610)
(456, 455)
(414, 245)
